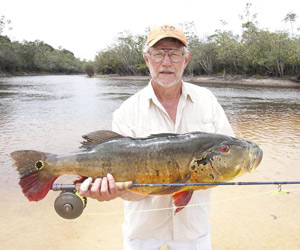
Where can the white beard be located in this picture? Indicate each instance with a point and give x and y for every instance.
(167, 85)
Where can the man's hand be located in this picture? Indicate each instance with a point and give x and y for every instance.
(105, 189)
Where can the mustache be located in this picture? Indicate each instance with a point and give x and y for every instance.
(166, 70)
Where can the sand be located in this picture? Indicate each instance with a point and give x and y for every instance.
(229, 80)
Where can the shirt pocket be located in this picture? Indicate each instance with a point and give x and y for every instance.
(204, 125)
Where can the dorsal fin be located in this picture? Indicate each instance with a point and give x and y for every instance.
(163, 134)
(98, 137)
(160, 135)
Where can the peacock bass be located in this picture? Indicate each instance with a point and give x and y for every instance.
(162, 158)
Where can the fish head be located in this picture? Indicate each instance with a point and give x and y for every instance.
(225, 159)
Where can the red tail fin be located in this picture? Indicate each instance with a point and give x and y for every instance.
(34, 180)
(34, 187)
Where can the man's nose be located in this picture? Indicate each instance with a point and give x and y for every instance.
(167, 60)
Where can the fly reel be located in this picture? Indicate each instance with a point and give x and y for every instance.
(69, 204)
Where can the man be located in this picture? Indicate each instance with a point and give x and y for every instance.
(165, 105)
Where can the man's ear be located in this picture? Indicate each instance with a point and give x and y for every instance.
(146, 59)
(187, 59)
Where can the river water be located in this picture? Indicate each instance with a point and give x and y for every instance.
(50, 113)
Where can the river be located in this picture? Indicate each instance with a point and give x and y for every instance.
(50, 113)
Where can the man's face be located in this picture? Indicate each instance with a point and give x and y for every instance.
(166, 73)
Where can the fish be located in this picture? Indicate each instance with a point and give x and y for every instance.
(160, 158)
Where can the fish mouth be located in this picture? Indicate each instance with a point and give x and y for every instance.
(255, 154)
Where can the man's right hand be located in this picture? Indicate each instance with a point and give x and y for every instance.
(105, 189)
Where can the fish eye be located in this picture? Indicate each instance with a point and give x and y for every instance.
(225, 148)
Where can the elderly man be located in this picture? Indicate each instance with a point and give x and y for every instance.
(165, 105)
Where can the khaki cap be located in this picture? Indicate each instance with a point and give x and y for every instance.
(165, 31)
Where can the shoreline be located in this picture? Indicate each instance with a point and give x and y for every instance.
(204, 79)
(219, 80)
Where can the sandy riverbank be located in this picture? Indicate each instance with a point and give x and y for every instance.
(230, 80)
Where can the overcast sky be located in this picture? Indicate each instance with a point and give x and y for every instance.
(86, 27)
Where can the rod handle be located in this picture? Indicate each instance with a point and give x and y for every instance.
(120, 185)
(124, 185)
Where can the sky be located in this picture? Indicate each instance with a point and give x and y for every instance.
(89, 26)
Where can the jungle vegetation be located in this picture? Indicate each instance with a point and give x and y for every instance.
(254, 52)
(34, 57)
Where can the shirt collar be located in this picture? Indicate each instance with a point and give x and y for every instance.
(187, 93)
(150, 94)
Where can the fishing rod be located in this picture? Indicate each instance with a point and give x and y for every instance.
(70, 204)
(130, 184)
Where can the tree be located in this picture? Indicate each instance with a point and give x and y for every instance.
(228, 53)
(125, 57)
(4, 23)
(89, 69)
(290, 17)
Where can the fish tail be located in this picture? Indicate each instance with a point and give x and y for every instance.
(34, 180)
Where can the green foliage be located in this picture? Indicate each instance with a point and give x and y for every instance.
(125, 57)
(36, 57)
(255, 52)
(89, 69)
(3, 24)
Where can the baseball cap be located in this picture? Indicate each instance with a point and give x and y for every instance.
(165, 31)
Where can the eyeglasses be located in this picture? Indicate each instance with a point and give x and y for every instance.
(157, 55)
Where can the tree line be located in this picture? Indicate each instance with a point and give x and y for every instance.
(256, 52)
(35, 57)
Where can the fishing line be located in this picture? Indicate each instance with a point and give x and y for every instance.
(199, 204)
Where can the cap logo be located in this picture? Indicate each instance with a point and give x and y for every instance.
(167, 28)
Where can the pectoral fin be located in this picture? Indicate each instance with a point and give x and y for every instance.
(181, 199)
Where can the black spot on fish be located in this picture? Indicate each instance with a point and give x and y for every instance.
(193, 167)
(157, 172)
(212, 176)
(196, 171)
(203, 161)
(39, 165)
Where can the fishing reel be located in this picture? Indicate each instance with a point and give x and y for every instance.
(70, 204)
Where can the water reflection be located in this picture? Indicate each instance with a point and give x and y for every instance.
(50, 113)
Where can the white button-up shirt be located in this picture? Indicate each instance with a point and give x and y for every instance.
(142, 115)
